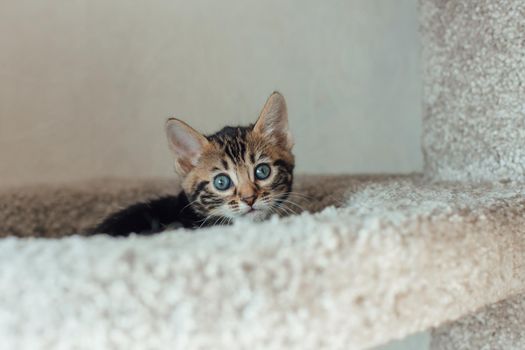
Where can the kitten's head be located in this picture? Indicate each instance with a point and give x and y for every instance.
(238, 171)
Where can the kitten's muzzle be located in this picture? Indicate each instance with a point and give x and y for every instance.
(249, 200)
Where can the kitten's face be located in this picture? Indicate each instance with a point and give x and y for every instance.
(240, 174)
(240, 171)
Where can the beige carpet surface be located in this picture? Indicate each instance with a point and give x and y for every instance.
(401, 255)
(61, 210)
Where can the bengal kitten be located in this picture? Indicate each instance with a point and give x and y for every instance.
(236, 172)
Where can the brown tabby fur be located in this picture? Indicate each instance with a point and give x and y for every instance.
(236, 151)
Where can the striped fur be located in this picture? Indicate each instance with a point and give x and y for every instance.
(236, 152)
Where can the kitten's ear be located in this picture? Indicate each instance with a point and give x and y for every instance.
(273, 121)
(185, 143)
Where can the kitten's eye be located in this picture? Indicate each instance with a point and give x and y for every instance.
(262, 171)
(222, 182)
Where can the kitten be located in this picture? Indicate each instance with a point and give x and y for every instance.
(236, 172)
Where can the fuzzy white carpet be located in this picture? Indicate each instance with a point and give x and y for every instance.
(401, 257)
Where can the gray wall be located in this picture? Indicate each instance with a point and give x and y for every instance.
(85, 85)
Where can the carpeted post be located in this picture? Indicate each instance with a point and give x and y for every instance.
(498, 326)
(474, 127)
(474, 89)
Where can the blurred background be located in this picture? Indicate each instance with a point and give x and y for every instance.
(85, 86)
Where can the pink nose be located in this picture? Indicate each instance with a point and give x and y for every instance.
(249, 200)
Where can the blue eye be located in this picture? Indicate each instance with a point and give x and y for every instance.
(262, 171)
(222, 182)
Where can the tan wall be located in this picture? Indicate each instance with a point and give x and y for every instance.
(85, 85)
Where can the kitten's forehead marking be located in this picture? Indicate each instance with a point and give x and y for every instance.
(237, 152)
(225, 164)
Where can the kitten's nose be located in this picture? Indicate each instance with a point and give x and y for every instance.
(249, 200)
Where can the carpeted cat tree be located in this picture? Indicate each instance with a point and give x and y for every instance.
(474, 54)
(444, 250)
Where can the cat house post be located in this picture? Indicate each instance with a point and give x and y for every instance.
(474, 127)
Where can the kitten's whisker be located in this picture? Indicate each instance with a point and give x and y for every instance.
(211, 215)
(303, 196)
(279, 211)
(286, 206)
(225, 221)
(287, 201)
(293, 203)
(289, 210)
(286, 211)
(298, 194)
(204, 220)
(186, 206)
(282, 209)
(277, 205)
(218, 220)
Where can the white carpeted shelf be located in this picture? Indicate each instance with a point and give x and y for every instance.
(402, 256)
